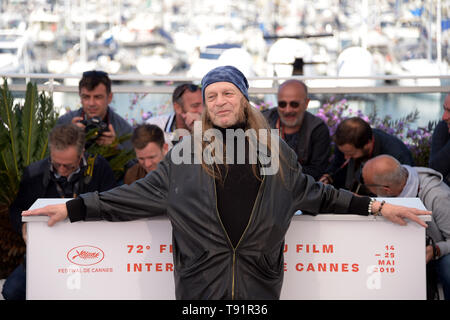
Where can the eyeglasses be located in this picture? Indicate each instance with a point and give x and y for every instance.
(70, 167)
(94, 73)
(360, 180)
(374, 185)
(182, 88)
(65, 166)
(283, 104)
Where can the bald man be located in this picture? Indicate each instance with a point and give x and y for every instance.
(386, 177)
(305, 133)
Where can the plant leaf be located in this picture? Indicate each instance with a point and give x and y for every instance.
(29, 124)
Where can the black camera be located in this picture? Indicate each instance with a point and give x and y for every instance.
(95, 123)
(94, 129)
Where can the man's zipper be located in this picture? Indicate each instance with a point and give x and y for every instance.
(243, 233)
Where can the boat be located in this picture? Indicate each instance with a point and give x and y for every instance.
(43, 27)
(16, 52)
(355, 62)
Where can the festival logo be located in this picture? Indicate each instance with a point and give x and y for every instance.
(85, 255)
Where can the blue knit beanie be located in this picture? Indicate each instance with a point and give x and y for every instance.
(226, 74)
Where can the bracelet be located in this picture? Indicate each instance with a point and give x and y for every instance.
(378, 212)
(369, 210)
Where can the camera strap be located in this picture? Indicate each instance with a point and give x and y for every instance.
(89, 170)
(77, 180)
(61, 192)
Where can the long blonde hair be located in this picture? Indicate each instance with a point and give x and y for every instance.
(252, 119)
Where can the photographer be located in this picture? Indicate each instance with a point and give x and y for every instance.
(95, 93)
(68, 172)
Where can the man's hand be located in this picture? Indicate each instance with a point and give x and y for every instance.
(189, 119)
(107, 137)
(397, 214)
(56, 212)
(326, 179)
(77, 122)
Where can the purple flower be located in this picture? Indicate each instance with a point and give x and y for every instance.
(147, 115)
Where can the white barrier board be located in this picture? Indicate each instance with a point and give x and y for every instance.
(326, 257)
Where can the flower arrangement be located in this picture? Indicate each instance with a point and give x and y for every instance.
(417, 140)
(333, 112)
(262, 105)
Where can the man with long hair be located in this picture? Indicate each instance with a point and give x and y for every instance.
(229, 220)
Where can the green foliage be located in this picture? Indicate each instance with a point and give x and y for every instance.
(24, 133)
(116, 157)
(24, 130)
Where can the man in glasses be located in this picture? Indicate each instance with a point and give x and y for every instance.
(67, 173)
(386, 177)
(440, 144)
(187, 106)
(356, 142)
(95, 93)
(305, 133)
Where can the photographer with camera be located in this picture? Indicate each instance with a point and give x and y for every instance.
(95, 93)
(66, 173)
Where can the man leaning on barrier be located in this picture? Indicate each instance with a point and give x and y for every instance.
(229, 219)
(66, 173)
(386, 177)
(356, 142)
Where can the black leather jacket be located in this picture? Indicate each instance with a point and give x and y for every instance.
(207, 266)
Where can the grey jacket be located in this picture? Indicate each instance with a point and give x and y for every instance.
(435, 196)
(206, 265)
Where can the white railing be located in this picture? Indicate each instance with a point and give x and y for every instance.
(52, 83)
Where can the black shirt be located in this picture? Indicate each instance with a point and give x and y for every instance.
(236, 191)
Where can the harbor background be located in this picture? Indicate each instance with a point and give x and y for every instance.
(279, 38)
(147, 46)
